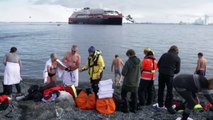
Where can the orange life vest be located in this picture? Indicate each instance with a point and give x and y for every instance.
(149, 66)
(50, 90)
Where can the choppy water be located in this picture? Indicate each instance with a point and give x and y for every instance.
(35, 42)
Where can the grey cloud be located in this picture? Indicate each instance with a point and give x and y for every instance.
(144, 7)
(133, 4)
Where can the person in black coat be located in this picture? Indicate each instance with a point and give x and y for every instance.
(168, 65)
(188, 86)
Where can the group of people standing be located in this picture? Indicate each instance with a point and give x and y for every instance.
(69, 69)
(138, 76)
(187, 85)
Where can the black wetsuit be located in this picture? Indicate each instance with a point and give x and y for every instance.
(187, 86)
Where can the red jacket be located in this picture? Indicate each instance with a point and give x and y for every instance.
(149, 66)
(3, 98)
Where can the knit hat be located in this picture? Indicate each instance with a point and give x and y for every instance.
(91, 49)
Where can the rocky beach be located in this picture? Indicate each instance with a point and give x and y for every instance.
(30, 110)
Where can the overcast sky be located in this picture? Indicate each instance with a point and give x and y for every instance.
(141, 10)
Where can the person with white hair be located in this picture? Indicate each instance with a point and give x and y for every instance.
(72, 60)
(50, 69)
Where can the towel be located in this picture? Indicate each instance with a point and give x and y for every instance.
(106, 82)
(12, 73)
(105, 96)
(106, 91)
(60, 72)
(71, 78)
(45, 73)
(105, 88)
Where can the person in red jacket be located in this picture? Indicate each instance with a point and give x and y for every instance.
(148, 66)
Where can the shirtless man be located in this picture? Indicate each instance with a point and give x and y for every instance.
(72, 60)
(116, 64)
(201, 65)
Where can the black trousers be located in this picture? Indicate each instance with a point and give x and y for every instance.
(94, 84)
(145, 92)
(125, 100)
(165, 80)
(8, 89)
(190, 102)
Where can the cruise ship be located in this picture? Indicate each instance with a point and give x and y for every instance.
(96, 16)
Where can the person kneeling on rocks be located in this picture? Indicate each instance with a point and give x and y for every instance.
(188, 86)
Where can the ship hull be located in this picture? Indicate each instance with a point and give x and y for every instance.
(101, 21)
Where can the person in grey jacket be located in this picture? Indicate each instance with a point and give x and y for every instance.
(131, 73)
(188, 86)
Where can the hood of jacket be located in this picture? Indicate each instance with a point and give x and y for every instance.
(134, 61)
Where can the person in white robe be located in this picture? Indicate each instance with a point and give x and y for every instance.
(12, 72)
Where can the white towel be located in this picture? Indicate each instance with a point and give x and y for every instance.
(105, 82)
(71, 78)
(61, 63)
(12, 73)
(106, 91)
(105, 96)
(106, 87)
(45, 73)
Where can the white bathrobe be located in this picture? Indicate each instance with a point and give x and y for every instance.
(12, 73)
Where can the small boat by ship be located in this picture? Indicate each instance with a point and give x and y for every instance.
(96, 16)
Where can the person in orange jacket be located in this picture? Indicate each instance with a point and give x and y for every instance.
(145, 91)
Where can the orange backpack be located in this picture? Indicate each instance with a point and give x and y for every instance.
(86, 101)
(105, 106)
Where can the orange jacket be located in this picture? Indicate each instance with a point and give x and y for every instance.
(149, 66)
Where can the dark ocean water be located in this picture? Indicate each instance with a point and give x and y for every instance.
(35, 42)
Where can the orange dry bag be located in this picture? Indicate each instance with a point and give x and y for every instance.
(86, 101)
(105, 106)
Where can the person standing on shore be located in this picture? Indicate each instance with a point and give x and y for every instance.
(50, 69)
(95, 65)
(146, 50)
(117, 64)
(131, 73)
(72, 60)
(201, 65)
(168, 64)
(148, 68)
(12, 72)
(188, 86)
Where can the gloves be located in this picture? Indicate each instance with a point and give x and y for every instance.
(67, 69)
